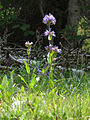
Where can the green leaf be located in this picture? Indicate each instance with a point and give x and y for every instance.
(50, 57)
(26, 33)
(43, 70)
(33, 81)
(12, 74)
(22, 89)
(51, 54)
(52, 92)
(31, 32)
(85, 8)
(27, 67)
(4, 82)
(50, 60)
(0, 87)
(1, 6)
(14, 17)
(67, 28)
(15, 26)
(25, 27)
(23, 80)
(11, 81)
(51, 83)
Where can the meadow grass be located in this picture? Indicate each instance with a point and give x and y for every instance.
(62, 102)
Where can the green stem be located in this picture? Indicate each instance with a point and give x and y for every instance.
(28, 59)
(51, 84)
(49, 42)
(28, 64)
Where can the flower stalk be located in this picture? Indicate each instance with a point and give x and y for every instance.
(28, 45)
(52, 50)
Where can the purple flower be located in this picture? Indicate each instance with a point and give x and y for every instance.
(49, 33)
(53, 48)
(40, 73)
(58, 50)
(49, 19)
(49, 48)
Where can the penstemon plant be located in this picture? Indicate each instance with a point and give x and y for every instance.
(52, 50)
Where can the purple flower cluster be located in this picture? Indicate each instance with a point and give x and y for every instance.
(49, 32)
(53, 48)
(49, 19)
(49, 48)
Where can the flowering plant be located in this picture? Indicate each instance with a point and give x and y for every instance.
(49, 20)
(49, 33)
(28, 45)
(53, 48)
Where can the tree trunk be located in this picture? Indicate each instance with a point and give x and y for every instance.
(73, 17)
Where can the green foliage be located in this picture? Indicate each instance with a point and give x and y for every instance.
(85, 8)
(25, 16)
(84, 32)
(7, 87)
(61, 97)
(27, 67)
(1, 6)
(33, 79)
(7, 16)
(25, 28)
(82, 37)
(23, 80)
(46, 106)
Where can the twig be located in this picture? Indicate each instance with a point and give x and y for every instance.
(14, 48)
(5, 68)
(20, 61)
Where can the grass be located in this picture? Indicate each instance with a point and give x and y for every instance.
(46, 106)
(67, 100)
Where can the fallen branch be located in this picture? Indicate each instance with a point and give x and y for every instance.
(5, 48)
(5, 68)
(20, 61)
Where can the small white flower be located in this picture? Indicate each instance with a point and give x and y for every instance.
(37, 79)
